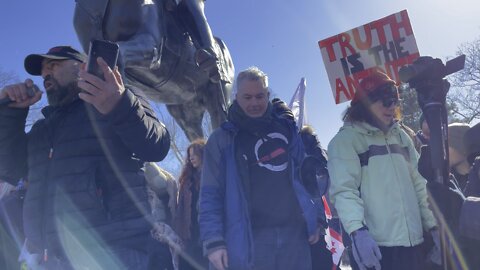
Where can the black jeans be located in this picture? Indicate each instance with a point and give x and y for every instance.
(282, 248)
(195, 253)
(321, 256)
(397, 258)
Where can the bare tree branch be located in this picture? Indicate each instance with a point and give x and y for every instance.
(7, 78)
(465, 90)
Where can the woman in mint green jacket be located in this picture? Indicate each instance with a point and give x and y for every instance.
(380, 197)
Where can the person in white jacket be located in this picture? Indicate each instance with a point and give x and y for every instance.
(380, 197)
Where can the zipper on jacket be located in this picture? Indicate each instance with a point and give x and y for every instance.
(50, 130)
(396, 173)
(44, 203)
(45, 255)
(244, 197)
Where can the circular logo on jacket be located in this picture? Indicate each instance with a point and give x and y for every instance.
(272, 153)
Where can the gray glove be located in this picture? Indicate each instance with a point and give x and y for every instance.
(365, 250)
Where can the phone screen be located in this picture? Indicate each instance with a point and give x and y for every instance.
(105, 49)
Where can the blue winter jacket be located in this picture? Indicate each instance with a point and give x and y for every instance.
(223, 213)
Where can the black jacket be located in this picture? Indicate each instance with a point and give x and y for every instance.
(86, 181)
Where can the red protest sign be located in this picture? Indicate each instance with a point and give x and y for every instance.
(385, 44)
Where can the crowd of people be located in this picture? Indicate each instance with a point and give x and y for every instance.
(90, 196)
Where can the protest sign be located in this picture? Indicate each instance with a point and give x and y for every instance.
(385, 44)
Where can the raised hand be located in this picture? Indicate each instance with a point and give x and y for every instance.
(21, 94)
(104, 95)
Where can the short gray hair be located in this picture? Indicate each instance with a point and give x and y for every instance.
(252, 74)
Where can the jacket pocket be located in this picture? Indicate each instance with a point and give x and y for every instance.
(80, 193)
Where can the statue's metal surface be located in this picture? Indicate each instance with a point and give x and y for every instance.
(161, 58)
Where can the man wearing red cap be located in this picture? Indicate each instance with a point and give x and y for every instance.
(380, 197)
(86, 206)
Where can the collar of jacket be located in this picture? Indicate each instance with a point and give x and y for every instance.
(370, 130)
(234, 129)
(48, 110)
(230, 127)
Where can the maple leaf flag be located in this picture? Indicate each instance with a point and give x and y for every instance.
(332, 237)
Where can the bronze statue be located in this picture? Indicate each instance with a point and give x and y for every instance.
(167, 51)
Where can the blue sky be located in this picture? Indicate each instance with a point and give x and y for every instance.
(278, 36)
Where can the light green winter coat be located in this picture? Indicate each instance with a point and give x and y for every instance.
(375, 182)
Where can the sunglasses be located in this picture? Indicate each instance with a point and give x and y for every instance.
(388, 95)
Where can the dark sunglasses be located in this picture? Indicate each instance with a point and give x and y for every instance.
(388, 94)
(390, 101)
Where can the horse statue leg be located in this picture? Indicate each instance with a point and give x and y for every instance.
(216, 102)
(157, 58)
(206, 56)
(217, 95)
(189, 117)
(87, 20)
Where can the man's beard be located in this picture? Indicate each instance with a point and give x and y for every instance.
(59, 95)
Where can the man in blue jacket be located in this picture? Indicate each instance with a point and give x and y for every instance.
(86, 204)
(254, 212)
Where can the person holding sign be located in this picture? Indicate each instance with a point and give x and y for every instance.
(379, 195)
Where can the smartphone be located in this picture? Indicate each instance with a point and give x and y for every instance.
(101, 48)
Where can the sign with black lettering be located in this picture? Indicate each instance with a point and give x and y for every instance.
(386, 44)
